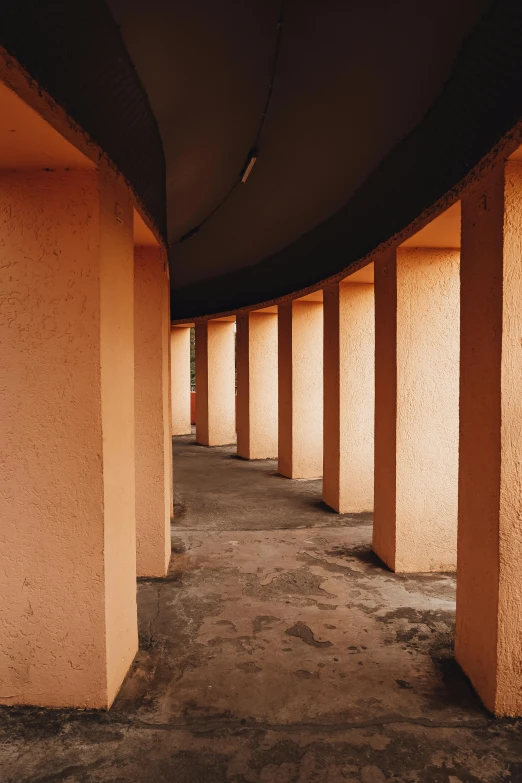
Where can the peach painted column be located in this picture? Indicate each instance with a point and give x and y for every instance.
(152, 410)
(416, 408)
(180, 379)
(300, 351)
(67, 532)
(489, 584)
(257, 385)
(215, 383)
(349, 390)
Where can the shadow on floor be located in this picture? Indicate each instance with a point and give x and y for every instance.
(279, 649)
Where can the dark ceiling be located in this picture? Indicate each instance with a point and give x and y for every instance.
(353, 78)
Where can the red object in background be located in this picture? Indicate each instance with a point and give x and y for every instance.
(193, 407)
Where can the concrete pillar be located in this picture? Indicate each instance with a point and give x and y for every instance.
(300, 349)
(257, 385)
(215, 383)
(489, 585)
(416, 408)
(349, 385)
(152, 411)
(67, 505)
(180, 379)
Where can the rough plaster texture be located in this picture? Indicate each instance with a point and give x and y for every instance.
(167, 392)
(349, 392)
(489, 598)
(300, 363)
(215, 383)
(415, 524)
(117, 383)
(280, 653)
(153, 452)
(67, 538)
(257, 385)
(180, 379)
(385, 433)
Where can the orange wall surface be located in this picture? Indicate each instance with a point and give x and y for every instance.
(153, 449)
(383, 540)
(256, 401)
(349, 383)
(416, 409)
(300, 348)
(67, 539)
(428, 293)
(181, 400)
(117, 363)
(193, 407)
(215, 383)
(489, 592)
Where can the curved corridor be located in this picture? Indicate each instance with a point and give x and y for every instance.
(278, 649)
(298, 227)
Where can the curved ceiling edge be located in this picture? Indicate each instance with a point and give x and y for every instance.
(75, 52)
(480, 103)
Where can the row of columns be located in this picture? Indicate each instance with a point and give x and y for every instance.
(439, 330)
(418, 417)
(257, 375)
(85, 453)
(277, 356)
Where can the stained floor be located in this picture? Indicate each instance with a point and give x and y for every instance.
(277, 650)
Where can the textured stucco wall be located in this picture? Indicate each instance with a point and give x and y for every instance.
(201, 396)
(67, 549)
(151, 398)
(243, 414)
(428, 291)
(117, 382)
(385, 285)
(284, 380)
(180, 380)
(489, 598)
(425, 383)
(166, 373)
(215, 383)
(257, 385)
(300, 363)
(349, 384)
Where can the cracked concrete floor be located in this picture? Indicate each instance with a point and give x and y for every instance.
(277, 650)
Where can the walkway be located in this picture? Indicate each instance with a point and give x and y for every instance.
(278, 650)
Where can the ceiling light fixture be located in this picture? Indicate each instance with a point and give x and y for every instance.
(253, 153)
(249, 166)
